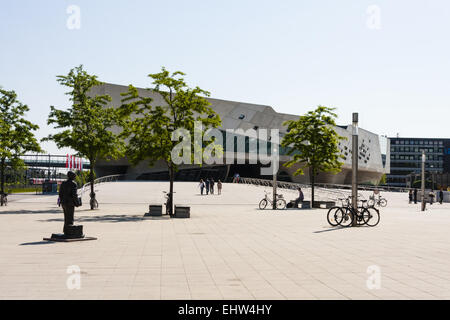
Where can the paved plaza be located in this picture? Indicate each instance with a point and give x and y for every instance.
(228, 249)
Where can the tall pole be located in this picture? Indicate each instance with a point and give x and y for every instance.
(274, 185)
(423, 179)
(355, 164)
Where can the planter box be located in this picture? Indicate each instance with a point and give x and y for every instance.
(182, 212)
(324, 204)
(154, 211)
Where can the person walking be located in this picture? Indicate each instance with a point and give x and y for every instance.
(415, 195)
(410, 195)
(207, 185)
(300, 198)
(219, 187)
(211, 186)
(202, 186)
(431, 196)
(69, 199)
(441, 196)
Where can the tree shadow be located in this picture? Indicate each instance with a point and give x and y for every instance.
(48, 211)
(107, 218)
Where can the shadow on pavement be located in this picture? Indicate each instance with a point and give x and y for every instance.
(35, 243)
(47, 211)
(108, 218)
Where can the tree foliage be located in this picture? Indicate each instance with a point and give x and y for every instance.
(16, 133)
(148, 127)
(313, 143)
(87, 126)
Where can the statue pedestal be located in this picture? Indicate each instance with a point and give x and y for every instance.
(71, 233)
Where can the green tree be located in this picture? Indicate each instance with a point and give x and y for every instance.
(88, 124)
(150, 133)
(313, 143)
(16, 134)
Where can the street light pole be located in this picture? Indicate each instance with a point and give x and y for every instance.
(423, 179)
(355, 164)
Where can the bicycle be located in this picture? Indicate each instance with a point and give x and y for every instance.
(280, 202)
(167, 204)
(4, 199)
(346, 215)
(93, 202)
(380, 202)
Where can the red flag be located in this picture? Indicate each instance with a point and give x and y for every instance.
(67, 160)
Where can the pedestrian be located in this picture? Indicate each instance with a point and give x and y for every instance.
(219, 187)
(441, 195)
(202, 186)
(211, 186)
(431, 195)
(207, 185)
(300, 198)
(69, 199)
(410, 195)
(415, 195)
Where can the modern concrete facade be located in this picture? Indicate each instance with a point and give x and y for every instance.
(245, 116)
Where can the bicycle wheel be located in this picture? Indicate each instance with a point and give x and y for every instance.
(334, 216)
(371, 203)
(373, 217)
(94, 204)
(363, 216)
(281, 204)
(263, 204)
(383, 202)
(347, 218)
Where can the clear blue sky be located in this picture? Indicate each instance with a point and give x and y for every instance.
(292, 55)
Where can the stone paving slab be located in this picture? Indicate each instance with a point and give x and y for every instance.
(228, 249)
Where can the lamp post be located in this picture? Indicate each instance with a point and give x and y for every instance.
(423, 179)
(355, 164)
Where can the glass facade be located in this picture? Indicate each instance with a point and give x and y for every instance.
(406, 158)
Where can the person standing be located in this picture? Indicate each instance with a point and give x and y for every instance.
(202, 186)
(207, 185)
(410, 195)
(441, 196)
(219, 187)
(415, 196)
(300, 198)
(211, 186)
(69, 199)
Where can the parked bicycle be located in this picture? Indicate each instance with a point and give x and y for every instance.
(280, 202)
(93, 202)
(167, 204)
(380, 202)
(4, 199)
(345, 214)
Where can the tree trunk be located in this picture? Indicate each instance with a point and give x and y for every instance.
(2, 183)
(312, 179)
(91, 180)
(170, 202)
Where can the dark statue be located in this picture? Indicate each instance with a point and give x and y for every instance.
(68, 199)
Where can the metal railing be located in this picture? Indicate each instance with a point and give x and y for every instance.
(110, 178)
(320, 193)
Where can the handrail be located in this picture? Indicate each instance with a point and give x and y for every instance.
(110, 178)
(323, 194)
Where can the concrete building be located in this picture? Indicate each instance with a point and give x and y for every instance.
(239, 115)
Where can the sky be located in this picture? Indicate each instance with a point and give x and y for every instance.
(387, 60)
